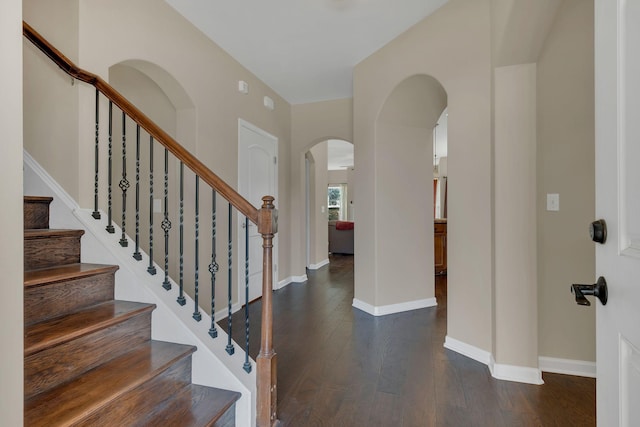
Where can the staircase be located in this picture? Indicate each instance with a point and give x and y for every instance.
(89, 359)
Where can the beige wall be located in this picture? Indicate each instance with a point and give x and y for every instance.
(519, 29)
(566, 166)
(310, 124)
(51, 134)
(11, 315)
(454, 46)
(319, 247)
(338, 177)
(516, 297)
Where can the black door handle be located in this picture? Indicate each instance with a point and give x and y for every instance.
(598, 231)
(599, 290)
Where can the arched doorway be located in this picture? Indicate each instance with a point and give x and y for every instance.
(328, 195)
(403, 215)
(165, 101)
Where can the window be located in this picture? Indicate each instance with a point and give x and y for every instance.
(336, 201)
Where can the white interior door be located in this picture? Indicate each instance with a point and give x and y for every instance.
(617, 78)
(257, 177)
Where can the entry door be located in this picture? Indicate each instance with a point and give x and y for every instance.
(257, 177)
(617, 78)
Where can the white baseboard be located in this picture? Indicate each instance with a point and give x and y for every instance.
(521, 374)
(318, 265)
(224, 313)
(468, 350)
(580, 368)
(394, 308)
(291, 279)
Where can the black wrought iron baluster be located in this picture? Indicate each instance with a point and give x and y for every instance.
(124, 182)
(96, 212)
(230, 349)
(137, 255)
(151, 269)
(166, 224)
(181, 299)
(196, 309)
(213, 267)
(110, 228)
(247, 365)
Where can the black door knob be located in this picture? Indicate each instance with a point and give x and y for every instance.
(599, 290)
(598, 231)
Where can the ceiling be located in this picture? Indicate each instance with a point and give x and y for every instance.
(340, 155)
(305, 50)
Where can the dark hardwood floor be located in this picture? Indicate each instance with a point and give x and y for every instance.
(338, 366)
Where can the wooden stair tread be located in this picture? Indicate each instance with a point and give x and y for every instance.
(195, 405)
(38, 199)
(65, 272)
(69, 403)
(89, 359)
(45, 233)
(61, 329)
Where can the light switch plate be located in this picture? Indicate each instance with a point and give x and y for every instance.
(553, 202)
(243, 87)
(268, 103)
(157, 205)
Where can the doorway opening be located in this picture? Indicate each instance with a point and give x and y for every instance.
(440, 197)
(328, 199)
(406, 207)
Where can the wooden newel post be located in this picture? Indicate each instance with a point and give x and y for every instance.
(266, 361)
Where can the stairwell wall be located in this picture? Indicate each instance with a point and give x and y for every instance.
(50, 97)
(109, 33)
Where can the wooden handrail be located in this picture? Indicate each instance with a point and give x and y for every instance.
(224, 189)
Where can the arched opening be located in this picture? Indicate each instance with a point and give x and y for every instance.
(403, 207)
(440, 193)
(159, 95)
(165, 101)
(328, 167)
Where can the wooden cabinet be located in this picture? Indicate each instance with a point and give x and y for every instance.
(440, 246)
